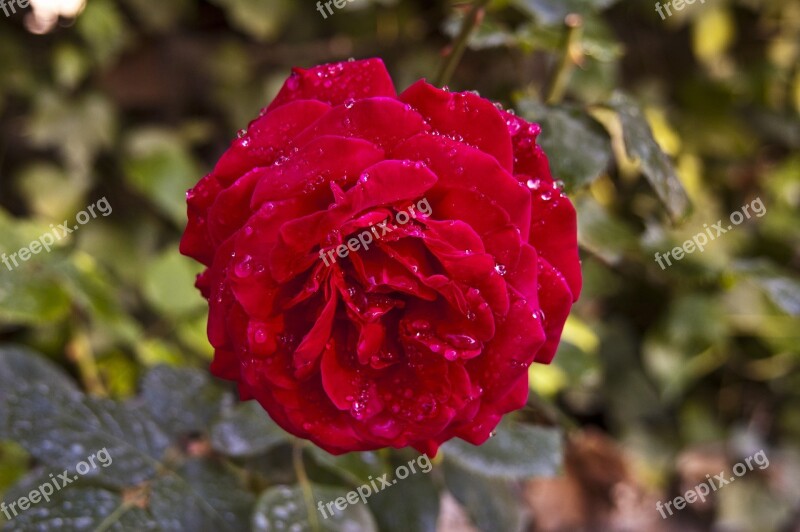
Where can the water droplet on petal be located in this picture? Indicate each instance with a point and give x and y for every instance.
(244, 267)
(462, 341)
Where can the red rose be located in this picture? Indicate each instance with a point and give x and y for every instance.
(428, 331)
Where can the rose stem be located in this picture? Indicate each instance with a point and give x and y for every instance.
(305, 485)
(452, 59)
(571, 55)
(79, 351)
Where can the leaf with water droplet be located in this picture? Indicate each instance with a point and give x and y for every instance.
(245, 431)
(411, 504)
(492, 503)
(656, 165)
(80, 508)
(355, 468)
(284, 508)
(578, 148)
(518, 451)
(182, 400)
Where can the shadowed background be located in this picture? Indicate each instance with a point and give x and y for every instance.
(663, 375)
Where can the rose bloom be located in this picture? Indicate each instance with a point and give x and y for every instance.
(427, 332)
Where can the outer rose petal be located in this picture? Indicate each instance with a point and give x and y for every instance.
(465, 115)
(556, 301)
(267, 138)
(337, 82)
(554, 226)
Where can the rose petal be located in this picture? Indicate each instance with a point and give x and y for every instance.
(463, 167)
(555, 299)
(324, 160)
(335, 83)
(267, 138)
(385, 122)
(554, 231)
(464, 115)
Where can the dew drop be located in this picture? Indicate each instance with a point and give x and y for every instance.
(244, 267)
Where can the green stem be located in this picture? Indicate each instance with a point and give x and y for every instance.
(570, 56)
(305, 485)
(460, 44)
(79, 350)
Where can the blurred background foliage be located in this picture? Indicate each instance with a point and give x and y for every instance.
(656, 127)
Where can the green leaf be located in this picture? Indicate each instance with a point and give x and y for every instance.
(183, 401)
(95, 293)
(577, 147)
(60, 427)
(159, 166)
(489, 34)
(782, 290)
(30, 291)
(551, 12)
(78, 128)
(284, 508)
(602, 233)
(517, 451)
(32, 301)
(492, 503)
(355, 468)
(50, 192)
(201, 496)
(257, 18)
(103, 26)
(246, 431)
(411, 504)
(168, 284)
(16, 361)
(656, 165)
(61, 432)
(81, 508)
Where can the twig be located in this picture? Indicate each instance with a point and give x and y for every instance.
(305, 485)
(571, 55)
(469, 24)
